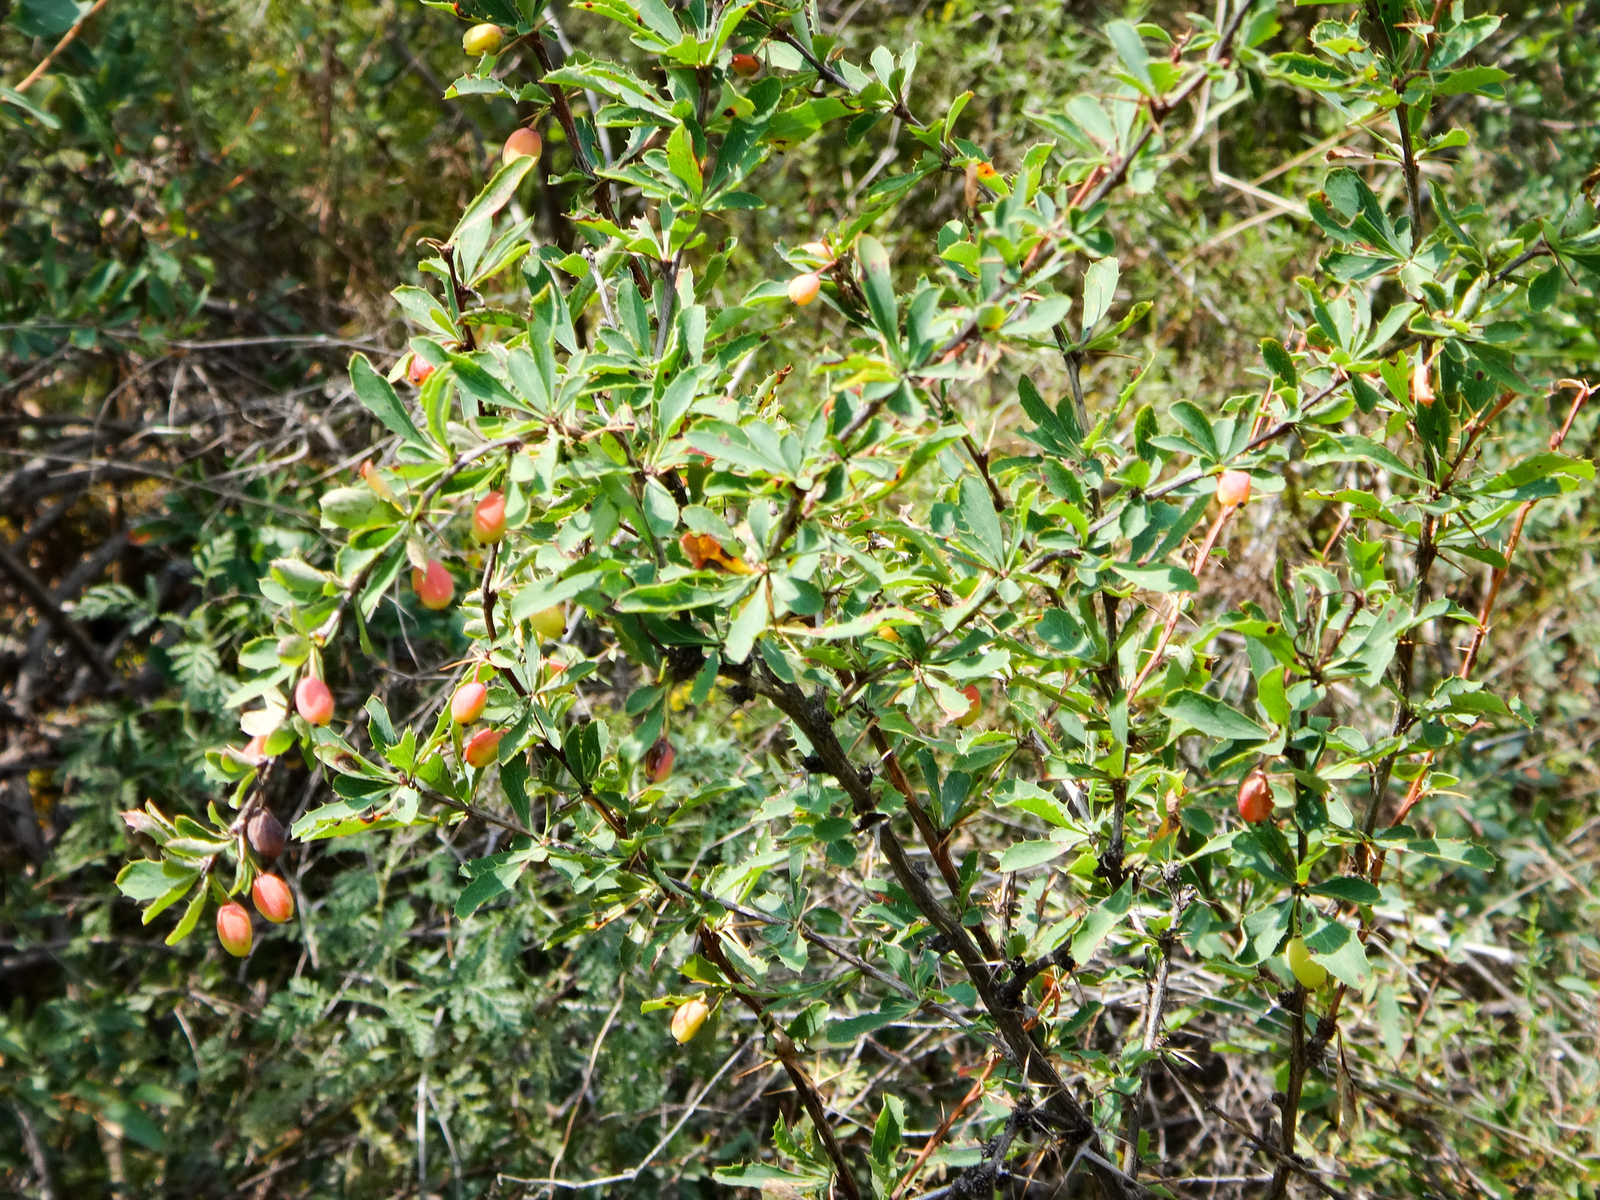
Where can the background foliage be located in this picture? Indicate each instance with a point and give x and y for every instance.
(194, 243)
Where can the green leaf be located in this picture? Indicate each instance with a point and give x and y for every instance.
(1019, 856)
(1158, 577)
(1130, 49)
(977, 513)
(682, 162)
(1279, 362)
(1348, 888)
(1544, 289)
(374, 391)
(191, 918)
(355, 508)
(1339, 950)
(1099, 286)
(1100, 921)
(747, 626)
(1469, 79)
(146, 879)
(1446, 850)
(493, 198)
(1212, 717)
(17, 98)
(879, 288)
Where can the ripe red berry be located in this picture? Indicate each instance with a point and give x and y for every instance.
(1255, 798)
(434, 587)
(523, 143)
(234, 929)
(274, 900)
(658, 760)
(466, 706)
(483, 747)
(419, 370)
(745, 66)
(489, 519)
(313, 700)
(1233, 488)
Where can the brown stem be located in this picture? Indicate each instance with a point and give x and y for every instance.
(602, 189)
(35, 591)
(945, 1126)
(66, 40)
(1077, 1129)
(784, 1048)
(937, 844)
(1284, 1161)
(1291, 1097)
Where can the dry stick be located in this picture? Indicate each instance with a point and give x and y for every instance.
(1154, 1006)
(1285, 1161)
(945, 1126)
(1496, 580)
(49, 608)
(588, 1075)
(1077, 1128)
(632, 1172)
(66, 40)
(937, 845)
(602, 189)
(1202, 559)
(784, 1048)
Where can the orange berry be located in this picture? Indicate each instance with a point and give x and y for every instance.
(1255, 798)
(434, 587)
(274, 900)
(313, 700)
(234, 929)
(1233, 488)
(803, 289)
(483, 747)
(467, 704)
(523, 143)
(975, 705)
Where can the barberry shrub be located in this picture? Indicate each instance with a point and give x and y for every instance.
(1019, 764)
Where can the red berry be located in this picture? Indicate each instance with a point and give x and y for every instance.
(234, 930)
(419, 370)
(489, 519)
(658, 760)
(483, 747)
(1255, 798)
(434, 587)
(1233, 488)
(274, 900)
(467, 704)
(313, 700)
(745, 66)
